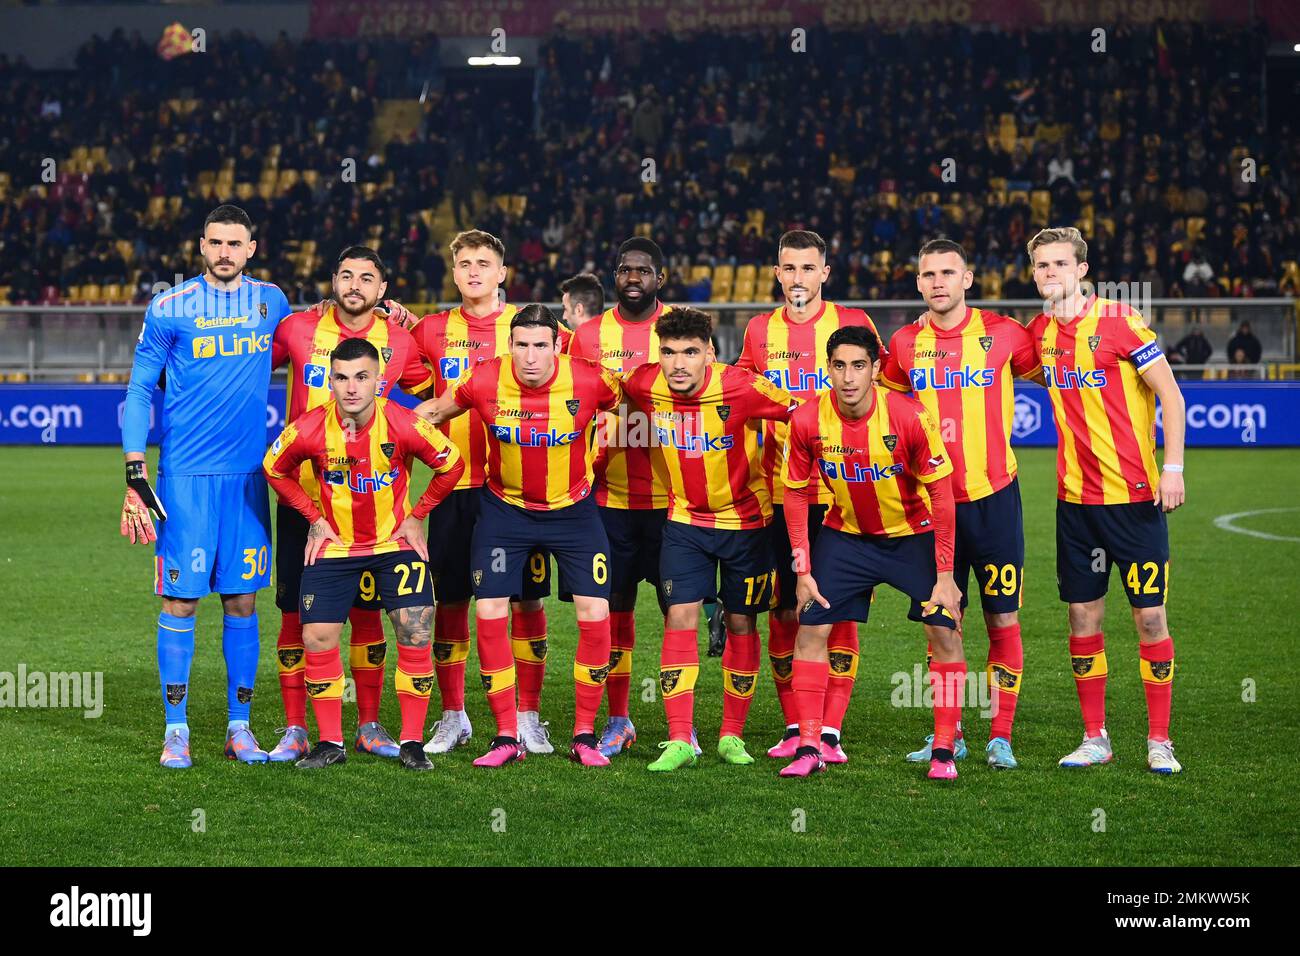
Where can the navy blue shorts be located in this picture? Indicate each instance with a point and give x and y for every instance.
(506, 537)
(848, 567)
(290, 542)
(217, 536)
(1090, 539)
(782, 554)
(991, 542)
(635, 538)
(331, 586)
(451, 531)
(691, 557)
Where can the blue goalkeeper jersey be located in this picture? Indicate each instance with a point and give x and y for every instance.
(216, 350)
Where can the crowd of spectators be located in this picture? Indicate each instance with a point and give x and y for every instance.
(877, 140)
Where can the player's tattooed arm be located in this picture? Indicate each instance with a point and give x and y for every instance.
(439, 410)
(413, 625)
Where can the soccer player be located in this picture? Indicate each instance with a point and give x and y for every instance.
(891, 521)
(540, 411)
(455, 343)
(788, 346)
(631, 483)
(718, 515)
(212, 337)
(583, 298)
(363, 533)
(960, 362)
(305, 340)
(1104, 371)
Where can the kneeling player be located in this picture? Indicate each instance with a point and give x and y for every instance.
(891, 521)
(360, 449)
(539, 408)
(718, 514)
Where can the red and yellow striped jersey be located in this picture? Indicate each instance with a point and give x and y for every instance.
(455, 344)
(1105, 413)
(875, 468)
(363, 473)
(792, 356)
(710, 454)
(630, 470)
(540, 439)
(305, 341)
(964, 378)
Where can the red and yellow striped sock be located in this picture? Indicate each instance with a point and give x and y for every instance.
(324, 681)
(1005, 667)
(528, 642)
(450, 652)
(414, 679)
(622, 639)
(1088, 661)
(367, 653)
(739, 675)
(497, 668)
(289, 652)
(842, 649)
(780, 654)
(679, 667)
(590, 670)
(1157, 664)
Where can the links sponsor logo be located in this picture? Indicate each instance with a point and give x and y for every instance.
(856, 472)
(361, 484)
(228, 346)
(1064, 378)
(964, 377)
(530, 436)
(799, 380)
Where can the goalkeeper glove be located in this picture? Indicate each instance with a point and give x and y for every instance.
(137, 480)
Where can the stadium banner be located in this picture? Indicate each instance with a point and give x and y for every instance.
(1219, 414)
(349, 19)
(92, 414)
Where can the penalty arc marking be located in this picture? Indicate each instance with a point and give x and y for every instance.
(1226, 522)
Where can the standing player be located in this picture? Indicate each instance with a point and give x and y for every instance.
(1104, 372)
(718, 514)
(455, 343)
(582, 298)
(890, 522)
(305, 340)
(212, 337)
(359, 448)
(540, 410)
(960, 361)
(631, 485)
(788, 345)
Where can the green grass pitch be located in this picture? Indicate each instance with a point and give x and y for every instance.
(90, 791)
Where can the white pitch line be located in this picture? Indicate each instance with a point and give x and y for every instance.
(1226, 523)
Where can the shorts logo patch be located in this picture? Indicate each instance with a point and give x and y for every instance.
(244, 695)
(841, 663)
(387, 353)
(478, 577)
(668, 679)
(598, 674)
(176, 693)
(668, 587)
(422, 685)
(290, 657)
(1081, 665)
(539, 648)
(573, 404)
(1161, 669)
(891, 441)
(743, 683)
(1093, 342)
(986, 342)
(173, 575)
(388, 447)
(441, 651)
(724, 412)
(375, 653)
(307, 601)
(783, 667)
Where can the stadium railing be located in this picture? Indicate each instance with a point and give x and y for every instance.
(78, 343)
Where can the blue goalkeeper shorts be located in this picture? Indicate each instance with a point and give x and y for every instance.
(217, 536)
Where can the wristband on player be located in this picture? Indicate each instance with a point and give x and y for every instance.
(137, 479)
(1176, 469)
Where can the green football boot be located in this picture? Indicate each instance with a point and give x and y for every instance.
(732, 750)
(676, 754)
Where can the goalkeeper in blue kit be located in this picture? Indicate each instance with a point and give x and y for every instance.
(212, 337)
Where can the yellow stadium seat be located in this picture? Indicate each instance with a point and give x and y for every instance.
(288, 178)
(890, 199)
(156, 208)
(643, 229)
(1040, 202)
(991, 286)
(174, 204)
(746, 274)
(126, 250)
(743, 292)
(91, 293)
(112, 294)
(244, 191)
(1017, 196)
(700, 273)
(311, 177)
(756, 218)
(1195, 228)
(266, 190)
(996, 197)
(73, 294)
(4, 294)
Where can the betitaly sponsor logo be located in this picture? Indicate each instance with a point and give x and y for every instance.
(72, 690)
(77, 909)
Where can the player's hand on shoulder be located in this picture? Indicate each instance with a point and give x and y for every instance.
(393, 311)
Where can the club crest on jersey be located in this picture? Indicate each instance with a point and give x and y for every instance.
(573, 404)
(388, 447)
(891, 441)
(387, 353)
(724, 412)
(307, 601)
(1093, 342)
(986, 342)
(261, 308)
